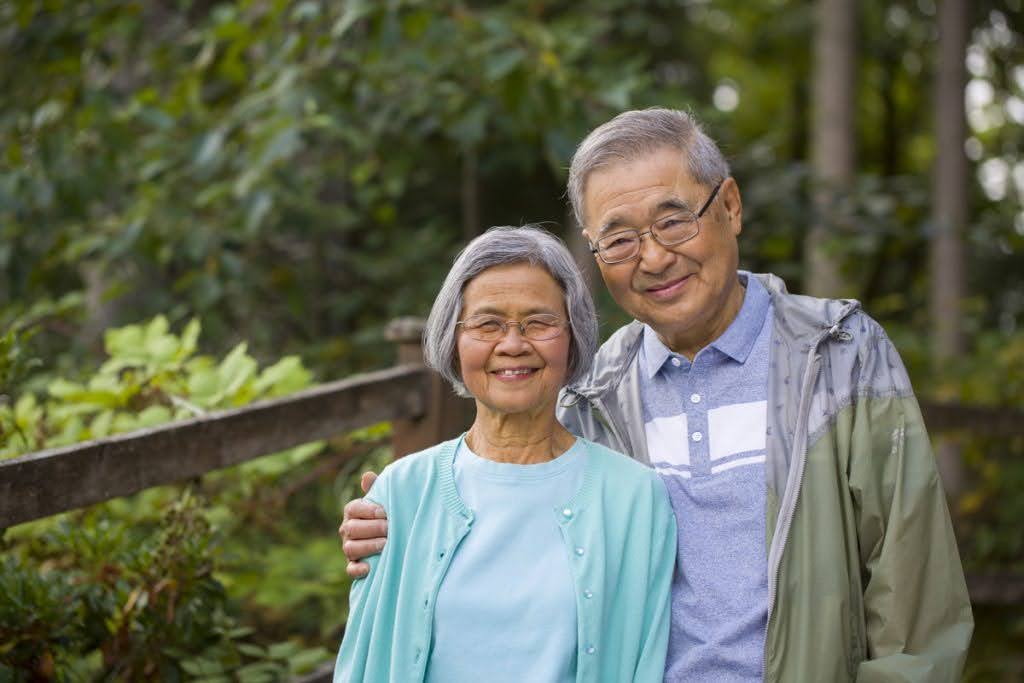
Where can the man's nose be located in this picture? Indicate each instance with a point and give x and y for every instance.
(654, 258)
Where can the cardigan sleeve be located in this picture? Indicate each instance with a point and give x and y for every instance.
(365, 595)
(658, 608)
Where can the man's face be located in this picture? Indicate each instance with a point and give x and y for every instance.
(688, 293)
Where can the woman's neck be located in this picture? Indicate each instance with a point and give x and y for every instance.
(517, 439)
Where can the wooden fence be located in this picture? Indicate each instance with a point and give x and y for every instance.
(423, 409)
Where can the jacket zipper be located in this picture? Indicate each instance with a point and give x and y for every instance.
(799, 461)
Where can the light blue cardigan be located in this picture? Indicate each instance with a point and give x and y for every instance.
(621, 516)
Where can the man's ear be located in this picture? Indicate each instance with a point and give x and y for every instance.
(732, 204)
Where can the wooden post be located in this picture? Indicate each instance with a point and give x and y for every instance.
(447, 415)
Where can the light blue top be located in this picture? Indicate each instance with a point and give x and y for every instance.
(516, 544)
(617, 535)
(706, 428)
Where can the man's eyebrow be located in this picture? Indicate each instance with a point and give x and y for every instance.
(616, 223)
(673, 204)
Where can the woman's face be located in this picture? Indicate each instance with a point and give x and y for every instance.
(514, 374)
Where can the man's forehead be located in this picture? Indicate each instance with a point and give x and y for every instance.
(635, 217)
(635, 189)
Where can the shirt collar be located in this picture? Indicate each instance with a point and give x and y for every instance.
(737, 340)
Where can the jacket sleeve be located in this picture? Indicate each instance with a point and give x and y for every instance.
(658, 609)
(917, 612)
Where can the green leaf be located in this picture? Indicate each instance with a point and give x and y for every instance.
(124, 341)
(283, 650)
(49, 112)
(101, 424)
(204, 387)
(63, 389)
(499, 65)
(235, 370)
(210, 147)
(260, 672)
(252, 650)
(354, 11)
(189, 339)
(283, 377)
(307, 660)
(153, 416)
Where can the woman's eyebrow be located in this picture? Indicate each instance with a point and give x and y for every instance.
(491, 310)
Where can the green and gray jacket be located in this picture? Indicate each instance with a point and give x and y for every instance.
(865, 581)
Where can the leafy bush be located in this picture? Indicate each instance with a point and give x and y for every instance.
(156, 586)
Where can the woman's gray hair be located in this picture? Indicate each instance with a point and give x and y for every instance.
(633, 134)
(502, 246)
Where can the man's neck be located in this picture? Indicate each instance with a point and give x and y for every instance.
(690, 342)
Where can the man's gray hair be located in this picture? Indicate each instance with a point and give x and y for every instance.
(633, 134)
(502, 246)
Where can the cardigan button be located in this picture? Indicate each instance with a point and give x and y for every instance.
(579, 552)
(588, 594)
(567, 513)
(591, 649)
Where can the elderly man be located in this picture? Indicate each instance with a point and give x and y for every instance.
(814, 539)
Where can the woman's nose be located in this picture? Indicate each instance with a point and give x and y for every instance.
(512, 341)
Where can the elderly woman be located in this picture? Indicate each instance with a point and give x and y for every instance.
(516, 552)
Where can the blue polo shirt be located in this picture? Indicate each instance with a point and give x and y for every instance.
(706, 427)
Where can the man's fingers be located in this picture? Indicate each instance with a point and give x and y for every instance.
(366, 481)
(363, 509)
(357, 570)
(364, 529)
(357, 550)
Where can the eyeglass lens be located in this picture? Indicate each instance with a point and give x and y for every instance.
(491, 328)
(672, 229)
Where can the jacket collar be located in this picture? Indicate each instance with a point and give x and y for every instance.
(797, 318)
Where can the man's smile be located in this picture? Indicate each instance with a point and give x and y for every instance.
(667, 289)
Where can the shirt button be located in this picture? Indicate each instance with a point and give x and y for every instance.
(567, 513)
(579, 552)
(591, 649)
(676, 362)
(696, 436)
(588, 594)
(694, 398)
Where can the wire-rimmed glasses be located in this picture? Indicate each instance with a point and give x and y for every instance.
(675, 228)
(539, 327)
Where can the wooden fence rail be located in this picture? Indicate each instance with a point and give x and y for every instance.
(52, 481)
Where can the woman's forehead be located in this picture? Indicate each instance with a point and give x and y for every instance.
(520, 286)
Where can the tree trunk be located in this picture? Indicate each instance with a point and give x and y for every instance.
(470, 195)
(834, 138)
(949, 215)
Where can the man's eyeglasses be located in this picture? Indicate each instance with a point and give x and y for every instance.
(675, 228)
(492, 328)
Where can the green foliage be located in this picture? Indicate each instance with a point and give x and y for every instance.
(135, 588)
(229, 161)
(107, 599)
(152, 376)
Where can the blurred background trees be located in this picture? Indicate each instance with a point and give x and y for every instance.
(296, 174)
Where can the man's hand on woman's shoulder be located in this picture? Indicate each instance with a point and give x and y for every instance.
(363, 530)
